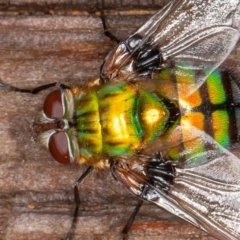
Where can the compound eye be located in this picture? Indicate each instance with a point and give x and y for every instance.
(53, 107)
(58, 147)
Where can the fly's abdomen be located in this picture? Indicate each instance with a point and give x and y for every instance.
(211, 107)
(118, 119)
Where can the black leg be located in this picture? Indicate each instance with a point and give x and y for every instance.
(77, 202)
(35, 90)
(74, 221)
(131, 219)
(106, 31)
(84, 175)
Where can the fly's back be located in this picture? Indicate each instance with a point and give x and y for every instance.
(117, 120)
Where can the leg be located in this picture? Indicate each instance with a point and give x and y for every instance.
(36, 90)
(106, 31)
(77, 202)
(131, 219)
(75, 215)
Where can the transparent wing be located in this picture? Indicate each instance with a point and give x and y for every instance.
(205, 192)
(199, 32)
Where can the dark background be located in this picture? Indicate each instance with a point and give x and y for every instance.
(42, 42)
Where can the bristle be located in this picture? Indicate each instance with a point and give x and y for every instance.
(69, 103)
(44, 137)
(42, 118)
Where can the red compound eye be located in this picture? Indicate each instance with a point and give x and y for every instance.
(53, 107)
(58, 147)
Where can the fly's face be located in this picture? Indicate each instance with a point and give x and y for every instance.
(53, 127)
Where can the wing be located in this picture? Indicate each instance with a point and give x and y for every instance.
(205, 192)
(199, 33)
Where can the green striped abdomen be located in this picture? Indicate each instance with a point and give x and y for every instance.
(210, 108)
(117, 120)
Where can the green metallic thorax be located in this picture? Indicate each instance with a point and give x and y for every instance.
(118, 119)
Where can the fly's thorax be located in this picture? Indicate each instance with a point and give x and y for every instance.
(54, 126)
(118, 120)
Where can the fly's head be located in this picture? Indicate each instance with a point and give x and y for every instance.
(54, 126)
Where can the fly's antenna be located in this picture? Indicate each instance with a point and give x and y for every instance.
(8, 87)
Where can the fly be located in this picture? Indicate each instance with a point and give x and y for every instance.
(162, 116)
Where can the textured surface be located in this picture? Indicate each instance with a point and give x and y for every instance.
(36, 197)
